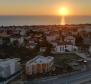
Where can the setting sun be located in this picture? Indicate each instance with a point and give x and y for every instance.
(63, 11)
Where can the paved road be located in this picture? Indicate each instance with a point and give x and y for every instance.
(82, 55)
(73, 79)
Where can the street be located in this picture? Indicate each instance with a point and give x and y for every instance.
(80, 77)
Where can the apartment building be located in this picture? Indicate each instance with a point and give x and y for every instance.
(39, 64)
(9, 69)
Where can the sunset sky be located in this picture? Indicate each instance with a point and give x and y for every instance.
(44, 7)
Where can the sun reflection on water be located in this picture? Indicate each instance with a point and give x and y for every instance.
(63, 20)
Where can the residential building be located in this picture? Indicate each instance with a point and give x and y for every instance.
(39, 64)
(9, 69)
(70, 39)
(65, 47)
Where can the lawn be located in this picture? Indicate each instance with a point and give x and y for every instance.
(65, 58)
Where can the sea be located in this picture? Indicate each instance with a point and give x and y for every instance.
(42, 20)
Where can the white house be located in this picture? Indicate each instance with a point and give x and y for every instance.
(31, 45)
(70, 39)
(22, 32)
(51, 38)
(65, 48)
(71, 48)
(54, 43)
(43, 49)
(13, 39)
(60, 48)
(9, 69)
(21, 40)
(39, 64)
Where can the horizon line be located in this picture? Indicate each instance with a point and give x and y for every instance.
(45, 15)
